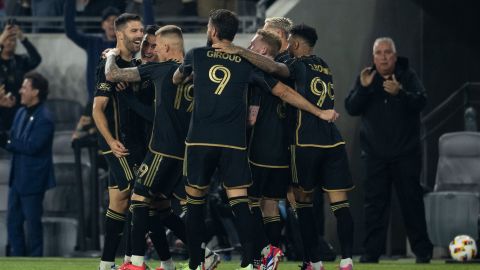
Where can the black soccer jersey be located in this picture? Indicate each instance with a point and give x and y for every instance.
(120, 119)
(173, 106)
(268, 142)
(313, 80)
(220, 106)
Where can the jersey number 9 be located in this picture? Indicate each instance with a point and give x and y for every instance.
(222, 81)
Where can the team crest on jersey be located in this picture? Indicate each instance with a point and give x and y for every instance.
(103, 87)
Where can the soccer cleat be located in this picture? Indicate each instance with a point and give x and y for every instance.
(212, 259)
(306, 266)
(130, 266)
(107, 266)
(166, 266)
(317, 265)
(271, 257)
(346, 264)
(124, 265)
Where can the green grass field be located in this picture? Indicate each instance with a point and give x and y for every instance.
(92, 264)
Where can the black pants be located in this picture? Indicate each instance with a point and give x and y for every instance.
(404, 174)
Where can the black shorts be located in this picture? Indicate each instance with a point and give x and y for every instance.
(269, 183)
(324, 167)
(201, 162)
(157, 175)
(179, 190)
(121, 171)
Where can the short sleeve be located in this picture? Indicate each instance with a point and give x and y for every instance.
(262, 80)
(146, 70)
(103, 88)
(292, 65)
(254, 96)
(187, 65)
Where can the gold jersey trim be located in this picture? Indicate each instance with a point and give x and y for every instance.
(297, 143)
(269, 166)
(216, 145)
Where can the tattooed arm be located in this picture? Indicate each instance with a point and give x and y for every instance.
(262, 62)
(115, 74)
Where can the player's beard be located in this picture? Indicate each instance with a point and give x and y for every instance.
(209, 42)
(130, 45)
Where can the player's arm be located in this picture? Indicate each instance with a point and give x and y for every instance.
(115, 74)
(98, 113)
(185, 70)
(264, 63)
(292, 97)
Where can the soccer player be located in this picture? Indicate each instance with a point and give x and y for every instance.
(161, 170)
(281, 26)
(217, 133)
(120, 142)
(268, 156)
(318, 156)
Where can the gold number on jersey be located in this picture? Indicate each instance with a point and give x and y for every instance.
(323, 91)
(184, 91)
(142, 170)
(222, 81)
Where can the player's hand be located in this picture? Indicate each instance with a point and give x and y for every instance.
(329, 115)
(118, 149)
(8, 100)
(121, 86)
(392, 86)
(8, 32)
(19, 33)
(366, 76)
(114, 52)
(226, 48)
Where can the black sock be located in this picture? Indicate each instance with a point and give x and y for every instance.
(114, 223)
(174, 223)
(139, 226)
(344, 227)
(308, 230)
(244, 221)
(128, 234)
(260, 240)
(158, 237)
(196, 229)
(273, 229)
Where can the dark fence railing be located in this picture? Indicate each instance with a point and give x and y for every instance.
(457, 112)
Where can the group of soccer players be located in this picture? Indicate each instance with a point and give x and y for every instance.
(172, 120)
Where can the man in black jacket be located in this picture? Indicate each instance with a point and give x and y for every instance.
(13, 67)
(389, 97)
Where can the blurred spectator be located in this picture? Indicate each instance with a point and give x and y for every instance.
(46, 8)
(163, 8)
(31, 172)
(13, 67)
(93, 45)
(96, 7)
(2, 8)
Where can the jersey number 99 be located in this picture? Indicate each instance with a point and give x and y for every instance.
(323, 91)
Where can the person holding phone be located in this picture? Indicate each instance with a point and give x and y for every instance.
(389, 98)
(13, 68)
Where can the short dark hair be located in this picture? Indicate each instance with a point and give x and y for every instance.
(38, 82)
(124, 18)
(225, 22)
(151, 29)
(272, 40)
(305, 32)
(109, 11)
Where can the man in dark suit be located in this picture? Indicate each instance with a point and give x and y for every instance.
(31, 172)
